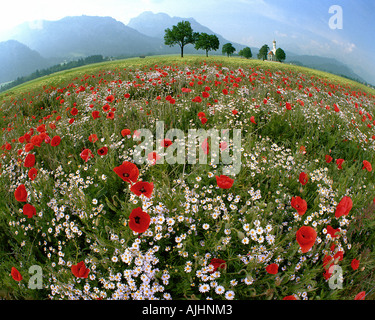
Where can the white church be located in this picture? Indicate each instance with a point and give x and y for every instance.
(271, 56)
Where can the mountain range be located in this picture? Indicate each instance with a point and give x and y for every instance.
(17, 59)
(40, 44)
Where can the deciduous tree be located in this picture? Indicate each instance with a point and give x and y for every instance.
(182, 34)
(207, 42)
(228, 49)
(246, 52)
(280, 55)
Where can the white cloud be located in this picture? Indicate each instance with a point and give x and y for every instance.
(347, 47)
(280, 34)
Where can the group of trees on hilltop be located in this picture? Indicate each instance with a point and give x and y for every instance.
(263, 52)
(183, 34)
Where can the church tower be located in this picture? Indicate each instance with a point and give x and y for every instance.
(274, 47)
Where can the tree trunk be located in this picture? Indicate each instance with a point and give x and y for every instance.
(182, 51)
(206, 53)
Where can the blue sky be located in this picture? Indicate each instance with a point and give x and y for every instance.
(300, 26)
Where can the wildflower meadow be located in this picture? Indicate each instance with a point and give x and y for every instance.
(93, 208)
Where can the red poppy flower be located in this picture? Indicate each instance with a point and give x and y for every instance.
(166, 143)
(328, 158)
(272, 268)
(339, 163)
(32, 173)
(8, 146)
(225, 91)
(217, 264)
(111, 115)
(36, 140)
(234, 112)
(303, 178)
(125, 132)
(367, 166)
(27, 137)
(224, 182)
(29, 160)
(20, 193)
(201, 115)
(16, 275)
(288, 106)
(291, 297)
(127, 171)
(95, 114)
(327, 274)
(79, 270)
(110, 98)
(106, 107)
(360, 296)
(93, 138)
(197, 99)
(74, 111)
(41, 128)
(29, 210)
(252, 119)
(327, 261)
(339, 255)
(153, 157)
(223, 145)
(203, 120)
(306, 237)
(103, 151)
(142, 187)
(299, 204)
(344, 206)
(139, 221)
(29, 147)
(355, 264)
(127, 95)
(205, 94)
(55, 141)
(86, 154)
(333, 231)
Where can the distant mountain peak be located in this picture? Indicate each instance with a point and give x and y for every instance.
(81, 36)
(17, 59)
(154, 25)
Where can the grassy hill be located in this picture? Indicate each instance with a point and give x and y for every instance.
(79, 207)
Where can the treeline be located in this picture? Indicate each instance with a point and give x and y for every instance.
(56, 68)
(183, 34)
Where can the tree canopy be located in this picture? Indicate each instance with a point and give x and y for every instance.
(280, 55)
(228, 49)
(263, 51)
(207, 42)
(182, 34)
(246, 52)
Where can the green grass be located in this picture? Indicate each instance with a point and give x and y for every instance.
(83, 208)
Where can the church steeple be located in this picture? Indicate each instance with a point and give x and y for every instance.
(274, 47)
